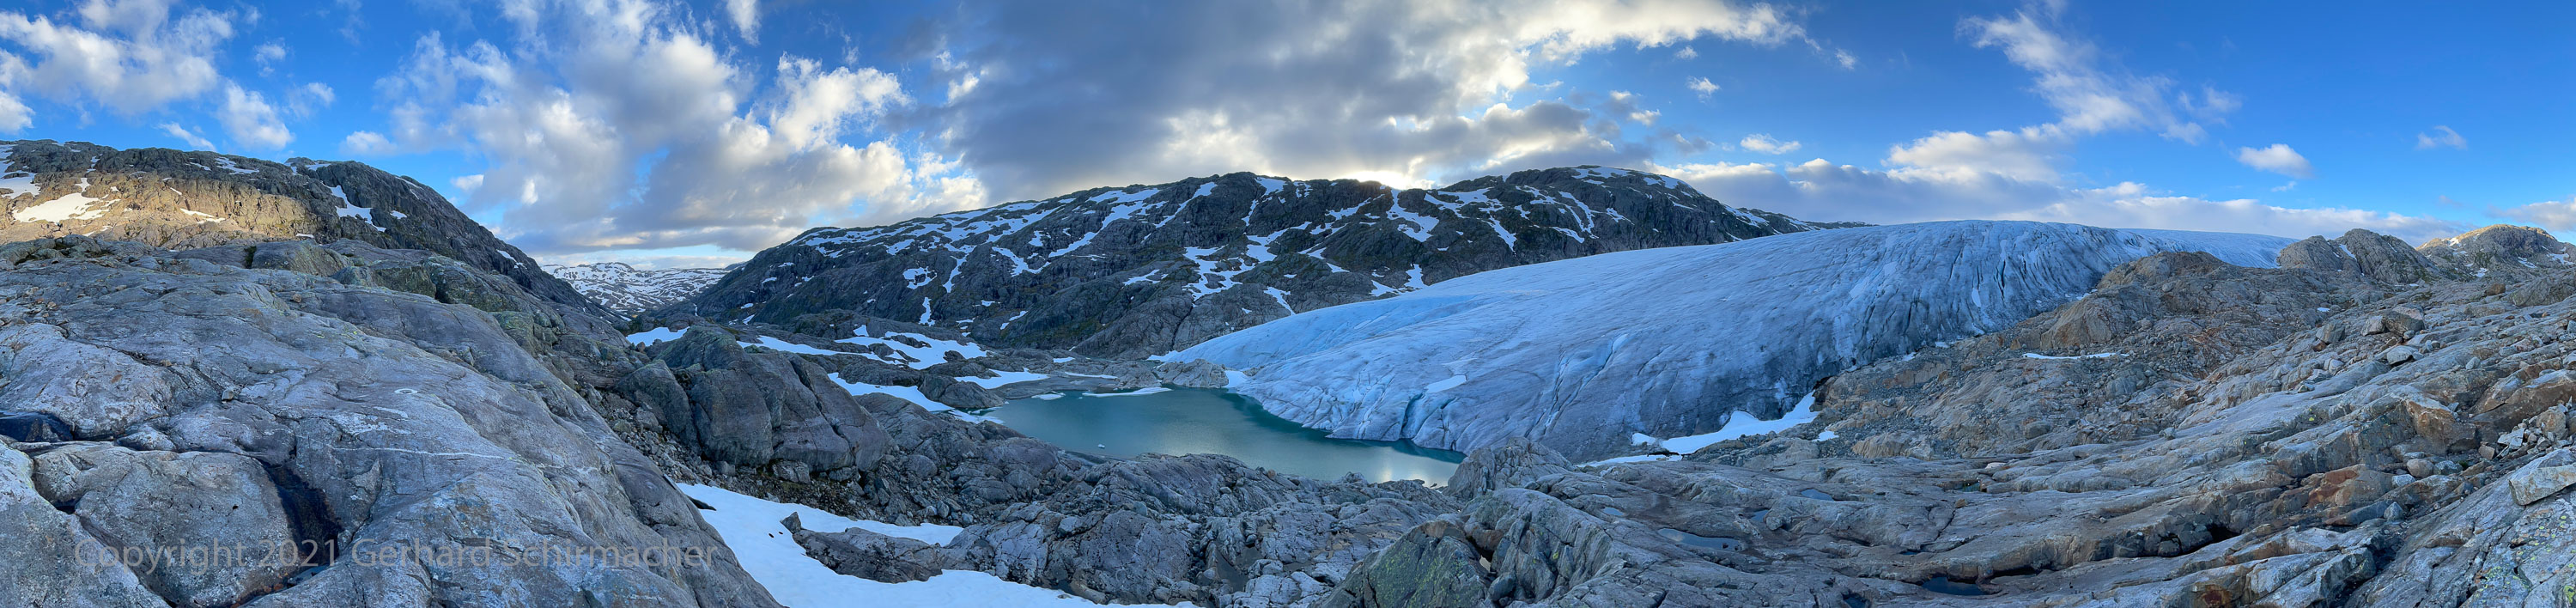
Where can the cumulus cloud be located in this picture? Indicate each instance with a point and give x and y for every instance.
(367, 143)
(2278, 158)
(745, 15)
(129, 56)
(2557, 216)
(1686, 53)
(15, 116)
(267, 55)
(617, 125)
(1703, 87)
(1822, 190)
(2029, 153)
(185, 134)
(250, 120)
(2441, 137)
(1763, 143)
(1420, 89)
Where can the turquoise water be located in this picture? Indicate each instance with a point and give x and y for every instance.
(1212, 421)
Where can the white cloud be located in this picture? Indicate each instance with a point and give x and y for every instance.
(2293, 185)
(1702, 86)
(1423, 89)
(1686, 53)
(746, 17)
(2441, 137)
(267, 55)
(184, 134)
(1844, 58)
(129, 56)
(1763, 143)
(1821, 190)
(367, 143)
(249, 119)
(14, 113)
(2557, 216)
(2088, 97)
(2028, 154)
(615, 125)
(304, 100)
(820, 103)
(2278, 158)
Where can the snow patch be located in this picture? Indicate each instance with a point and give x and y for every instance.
(907, 393)
(72, 206)
(750, 527)
(1740, 424)
(931, 351)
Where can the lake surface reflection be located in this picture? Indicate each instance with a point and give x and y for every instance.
(1213, 421)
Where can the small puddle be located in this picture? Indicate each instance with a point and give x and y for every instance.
(1816, 494)
(1946, 586)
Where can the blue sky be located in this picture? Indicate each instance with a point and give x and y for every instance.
(694, 133)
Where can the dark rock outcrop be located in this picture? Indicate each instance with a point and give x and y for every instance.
(753, 408)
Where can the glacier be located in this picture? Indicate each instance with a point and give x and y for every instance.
(1583, 354)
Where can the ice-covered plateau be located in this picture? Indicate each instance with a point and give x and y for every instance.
(1584, 354)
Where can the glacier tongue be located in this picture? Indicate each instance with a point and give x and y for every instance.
(1581, 354)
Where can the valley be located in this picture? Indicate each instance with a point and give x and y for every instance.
(1931, 414)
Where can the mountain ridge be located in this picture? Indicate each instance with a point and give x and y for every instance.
(186, 199)
(1127, 272)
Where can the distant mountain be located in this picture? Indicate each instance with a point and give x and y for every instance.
(1584, 354)
(627, 289)
(179, 200)
(1143, 270)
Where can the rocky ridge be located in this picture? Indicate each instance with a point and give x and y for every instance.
(1144, 270)
(332, 419)
(181, 200)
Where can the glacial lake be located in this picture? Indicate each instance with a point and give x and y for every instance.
(1212, 421)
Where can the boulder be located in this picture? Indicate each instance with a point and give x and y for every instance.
(213, 519)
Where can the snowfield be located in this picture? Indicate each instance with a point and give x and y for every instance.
(750, 528)
(1583, 354)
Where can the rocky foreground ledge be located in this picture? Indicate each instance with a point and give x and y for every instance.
(2365, 425)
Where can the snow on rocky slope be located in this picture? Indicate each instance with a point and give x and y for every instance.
(1142, 270)
(1584, 354)
(624, 288)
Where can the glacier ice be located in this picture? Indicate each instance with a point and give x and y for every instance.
(1582, 354)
